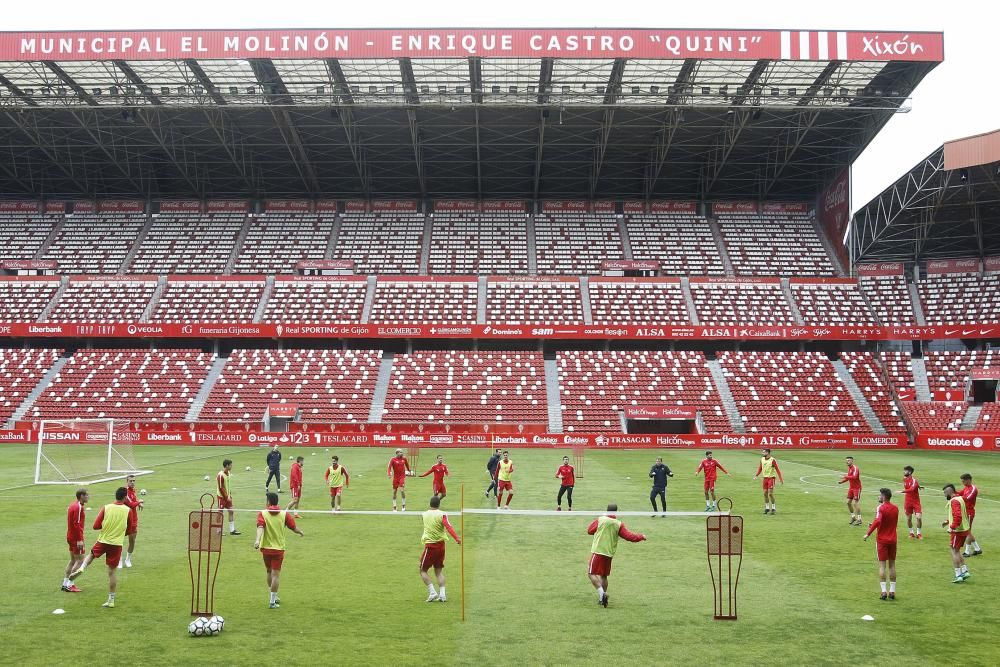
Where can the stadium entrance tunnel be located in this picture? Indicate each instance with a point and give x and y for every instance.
(984, 390)
(659, 426)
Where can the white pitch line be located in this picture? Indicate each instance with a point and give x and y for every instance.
(878, 479)
(494, 512)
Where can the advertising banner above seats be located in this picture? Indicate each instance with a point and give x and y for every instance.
(488, 440)
(959, 441)
(605, 43)
(483, 331)
(881, 269)
(942, 266)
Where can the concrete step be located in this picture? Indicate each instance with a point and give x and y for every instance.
(971, 418)
(532, 257)
(720, 243)
(786, 287)
(425, 248)
(481, 300)
(63, 284)
(859, 397)
(588, 315)
(626, 242)
(134, 250)
(921, 385)
(726, 395)
(198, 404)
(42, 385)
(50, 239)
(258, 315)
(240, 240)
(918, 307)
(552, 394)
(831, 251)
(331, 244)
(381, 389)
(161, 287)
(366, 312)
(689, 300)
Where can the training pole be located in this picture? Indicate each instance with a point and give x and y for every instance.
(461, 548)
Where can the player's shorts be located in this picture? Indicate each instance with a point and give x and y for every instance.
(501, 485)
(768, 483)
(75, 549)
(225, 504)
(272, 558)
(972, 516)
(886, 550)
(296, 493)
(911, 508)
(398, 483)
(599, 565)
(854, 494)
(432, 556)
(957, 540)
(335, 491)
(113, 552)
(440, 490)
(710, 485)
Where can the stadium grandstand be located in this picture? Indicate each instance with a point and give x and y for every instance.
(585, 234)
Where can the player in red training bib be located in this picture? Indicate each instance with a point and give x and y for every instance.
(398, 469)
(76, 514)
(440, 471)
(970, 492)
(886, 519)
(134, 507)
(853, 479)
(911, 503)
(295, 482)
(711, 468)
(566, 475)
(768, 467)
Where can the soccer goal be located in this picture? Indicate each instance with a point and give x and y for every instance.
(83, 451)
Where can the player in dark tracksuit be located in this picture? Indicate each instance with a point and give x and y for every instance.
(273, 468)
(659, 472)
(492, 466)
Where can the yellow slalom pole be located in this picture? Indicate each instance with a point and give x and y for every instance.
(461, 562)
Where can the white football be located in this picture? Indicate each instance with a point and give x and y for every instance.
(207, 478)
(213, 627)
(220, 620)
(142, 492)
(248, 468)
(198, 627)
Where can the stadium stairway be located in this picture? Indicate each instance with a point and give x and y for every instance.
(728, 402)
(920, 383)
(689, 301)
(63, 284)
(53, 235)
(214, 373)
(425, 246)
(331, 244)
(918, 308)
(366, 310)
(626, 242)
(264, 298)
(134, 250)
(532, 246)
(241, 238)
(830, 252)
(161, 287)
(588, 315)
(859, 397)
(552, 393)
(481, 299)
(971, 418)
(42, 385)
(786, 288)
(381, 389)
(720, 243)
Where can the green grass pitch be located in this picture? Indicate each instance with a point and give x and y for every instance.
(351, 594)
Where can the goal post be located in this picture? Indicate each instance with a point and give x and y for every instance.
(83, 451)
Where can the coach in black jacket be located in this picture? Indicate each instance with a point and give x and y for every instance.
(273, 468)
(659, 472)
(491, 467)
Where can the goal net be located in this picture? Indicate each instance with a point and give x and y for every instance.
(83, 451)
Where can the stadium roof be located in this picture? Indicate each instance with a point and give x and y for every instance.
(528, 113)
(946, 206)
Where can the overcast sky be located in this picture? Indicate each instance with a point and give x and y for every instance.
(957, 99)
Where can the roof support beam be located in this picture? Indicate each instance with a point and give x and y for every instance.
(231, 142)
(476, 79)
(153, 121)
(205, 82)
(412, 98)
(20, 94)
(542, 117)
(68, 80)
(784, 148)
(137, 81)
(33, 133)
(479, 162)
(671, 121)
(276, 94)
(122, 163)
(607, 122)
(343, 86)
(347, 119)
(545, 81)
